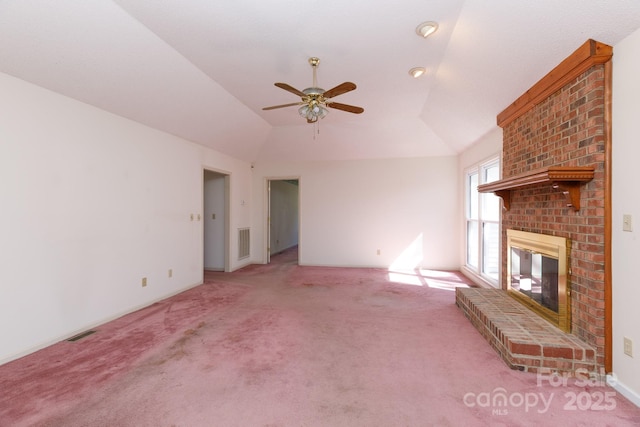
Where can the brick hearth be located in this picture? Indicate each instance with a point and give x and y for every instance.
(523, 339)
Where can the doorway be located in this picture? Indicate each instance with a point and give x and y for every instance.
(283, 216)
(216, 221)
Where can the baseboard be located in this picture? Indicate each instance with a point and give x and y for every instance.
(243, 265)
(630, 394)
(93, 325)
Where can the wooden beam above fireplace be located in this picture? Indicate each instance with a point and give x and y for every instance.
(567, 179)
(587, 55)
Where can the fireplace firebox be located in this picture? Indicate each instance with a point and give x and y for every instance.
(537, 274)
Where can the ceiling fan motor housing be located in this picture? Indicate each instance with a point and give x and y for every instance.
(313, 91)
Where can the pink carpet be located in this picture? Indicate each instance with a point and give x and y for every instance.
(283, 345)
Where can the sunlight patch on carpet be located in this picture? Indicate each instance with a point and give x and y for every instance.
(446, 280)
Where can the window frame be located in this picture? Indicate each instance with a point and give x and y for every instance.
(478, 271)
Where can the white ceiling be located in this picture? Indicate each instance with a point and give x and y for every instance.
(203, 69)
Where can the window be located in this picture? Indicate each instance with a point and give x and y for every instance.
(482, 213)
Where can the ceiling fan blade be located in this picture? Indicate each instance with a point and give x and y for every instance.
(345, 107)
(290, 89)
(339, 90)
(282, 106)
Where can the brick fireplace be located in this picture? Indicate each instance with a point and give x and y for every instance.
(561, 124)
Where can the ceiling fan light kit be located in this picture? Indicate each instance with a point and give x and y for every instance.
(313, 112)
(315, 101)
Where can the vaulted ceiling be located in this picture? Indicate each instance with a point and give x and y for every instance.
(203, 69)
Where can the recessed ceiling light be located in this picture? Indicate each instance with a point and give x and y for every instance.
(426, 28)
(417, 72)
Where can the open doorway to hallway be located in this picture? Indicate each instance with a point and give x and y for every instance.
(283, 217)
(216, 221)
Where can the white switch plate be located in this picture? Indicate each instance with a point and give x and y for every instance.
(628, 347)
(627, 224)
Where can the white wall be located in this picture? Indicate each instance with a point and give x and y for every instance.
(625, 200)
(406, 208)
(485, 148)
(90, 203)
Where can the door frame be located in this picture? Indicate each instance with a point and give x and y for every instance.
(227, 216)
(267, 217)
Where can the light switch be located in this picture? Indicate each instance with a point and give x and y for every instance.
(627, 224)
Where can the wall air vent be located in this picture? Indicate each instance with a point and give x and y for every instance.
(81, 335)
(243, 243)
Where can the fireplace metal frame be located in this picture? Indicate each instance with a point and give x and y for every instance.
(551, 246)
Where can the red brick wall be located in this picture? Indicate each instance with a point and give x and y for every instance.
(566, 129)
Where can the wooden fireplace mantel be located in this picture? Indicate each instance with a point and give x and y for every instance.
(567, 179)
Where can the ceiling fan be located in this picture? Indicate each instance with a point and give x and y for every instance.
(315, 100)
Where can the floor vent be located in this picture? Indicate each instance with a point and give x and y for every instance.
(243, 243)
(81, 335)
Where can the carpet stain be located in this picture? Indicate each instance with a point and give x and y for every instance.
(245, 336)
(315, 286)
(257, 373)
(178, 348)
(355, 409)
(260, 346)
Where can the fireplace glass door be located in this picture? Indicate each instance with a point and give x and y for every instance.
(535, 275)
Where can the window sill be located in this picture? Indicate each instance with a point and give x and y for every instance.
(478, 279)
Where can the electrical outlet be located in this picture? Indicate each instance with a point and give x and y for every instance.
(628, 347)
(627, 224)
(170, 274)
(144, 282)
(378, 252)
